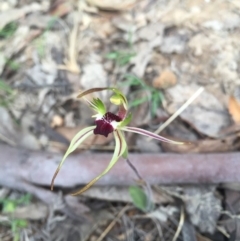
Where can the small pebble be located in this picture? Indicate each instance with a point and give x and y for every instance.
(57, 121)
(165, 80)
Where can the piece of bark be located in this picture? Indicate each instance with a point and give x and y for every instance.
(24, 170)
(15, 174)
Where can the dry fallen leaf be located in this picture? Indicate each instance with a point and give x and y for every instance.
(151, 31)
(203, 207)
(231, 191)
(60, 8)
(36, 211)
(76, 205)
(16, 13)
(227, 144)
(234, 109)
(71, 63)
(116, 5)
(22, 37)
(16, 135)
(173, 44)
(188, 231)
(162, 213)
(144, 56)
(202, 238)
(121, 194)
(208, 117)
(93, 76)
(165, 80)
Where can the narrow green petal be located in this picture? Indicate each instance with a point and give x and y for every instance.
(120, 147)
(118, 99)
(126, 121)
(149, 134)
(76, 141)
(98, 106)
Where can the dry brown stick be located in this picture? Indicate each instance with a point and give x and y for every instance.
(19, 168)
(111, 225)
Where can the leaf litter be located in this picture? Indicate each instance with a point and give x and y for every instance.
(172, 47)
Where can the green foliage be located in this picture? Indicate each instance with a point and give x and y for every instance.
(121, 57)
(8, 30)
(5, 87)
(155, 98)
(13, 65)
(40, 42)
(8, 207)
(139, 197)
(6, 93)
(6, 33)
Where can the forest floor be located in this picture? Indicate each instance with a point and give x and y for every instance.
(159, 53)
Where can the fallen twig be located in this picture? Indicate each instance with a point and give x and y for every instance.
(22, 168)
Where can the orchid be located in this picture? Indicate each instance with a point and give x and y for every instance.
(106, 123)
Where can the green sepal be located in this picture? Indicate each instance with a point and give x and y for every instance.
(120, 148)
(125, 153)
(126, 121)
(76, 141)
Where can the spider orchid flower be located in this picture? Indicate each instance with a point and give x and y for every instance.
(106, 123)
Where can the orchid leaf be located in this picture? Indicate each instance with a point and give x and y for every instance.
(139, 197)
(149, 134)
(76, 141)
(120, 148)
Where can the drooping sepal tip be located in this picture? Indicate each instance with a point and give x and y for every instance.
(120, 149)
(76, 141)
(54, 176)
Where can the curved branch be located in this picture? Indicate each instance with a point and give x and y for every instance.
(22, 166)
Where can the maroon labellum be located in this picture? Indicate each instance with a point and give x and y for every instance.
(104, 126)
